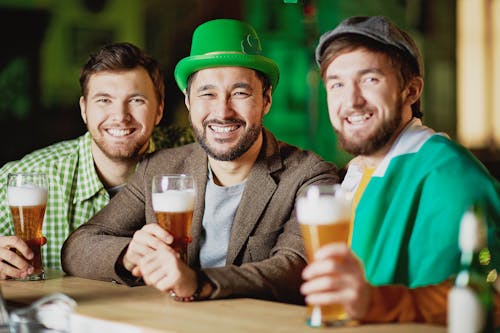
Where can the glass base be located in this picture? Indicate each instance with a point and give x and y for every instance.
(336, 323)
(317, 319)
(33, 277)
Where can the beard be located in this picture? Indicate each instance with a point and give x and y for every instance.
(121, 151)
(377, 140)
(244, 143)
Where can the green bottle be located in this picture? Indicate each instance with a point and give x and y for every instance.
(471, 300)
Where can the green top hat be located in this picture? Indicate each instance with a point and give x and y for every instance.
(225, 42)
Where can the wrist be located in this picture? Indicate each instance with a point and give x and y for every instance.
(204, 287)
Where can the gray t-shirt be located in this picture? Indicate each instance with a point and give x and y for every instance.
(221, 204)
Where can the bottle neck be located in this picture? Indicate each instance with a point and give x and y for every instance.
(474, 268)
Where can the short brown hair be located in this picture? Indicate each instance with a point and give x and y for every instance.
(405, 64)
(123, 56)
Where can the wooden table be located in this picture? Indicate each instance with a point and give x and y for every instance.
(144, 309)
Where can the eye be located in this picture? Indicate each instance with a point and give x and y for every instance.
(241, 93)
(371, 79)
(138, 100)
(335, 85)
(206, 94)
(103, 100)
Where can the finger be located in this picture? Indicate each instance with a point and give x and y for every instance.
(143, 242)
(13, 272)
(154, 270)
(16, 243)
(332, 250)
(319, 268)
(151, 270)
(136, 271)
(325, 298)
(321, 284)
(156, 230)
(13, 259)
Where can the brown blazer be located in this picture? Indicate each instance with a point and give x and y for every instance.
(265, 254)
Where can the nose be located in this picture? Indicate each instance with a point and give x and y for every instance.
(121, 112)
(354, 96)
(224, 108)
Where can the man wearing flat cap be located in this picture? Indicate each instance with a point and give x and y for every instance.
(411, 185)
(246, 241)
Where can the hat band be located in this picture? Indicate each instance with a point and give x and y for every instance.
(226, 52)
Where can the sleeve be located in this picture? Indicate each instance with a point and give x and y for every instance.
(448, 191)
(6, 224)
(397, 303)
(277, 276)
(93, 250)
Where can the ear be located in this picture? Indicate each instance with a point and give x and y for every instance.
(186, 100)
(83, 109)
(268, 100)
(159, 115)
(413, 90)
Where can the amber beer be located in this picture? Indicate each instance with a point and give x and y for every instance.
(174, 213)
(27, 204)
(324, 214)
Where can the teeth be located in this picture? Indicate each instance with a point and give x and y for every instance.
(358, 118)
(119, 132)
(223, 129)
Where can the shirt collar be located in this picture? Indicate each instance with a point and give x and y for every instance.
(88, 183)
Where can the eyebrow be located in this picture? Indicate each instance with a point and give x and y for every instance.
(99, 94)
(205, 87)
(359, 73)
(243, 85)
(104, 94)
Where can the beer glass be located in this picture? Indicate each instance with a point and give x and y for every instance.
(324, 214)
(27, 199)
(173, 199)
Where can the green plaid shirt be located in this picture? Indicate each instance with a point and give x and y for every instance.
(75, 192)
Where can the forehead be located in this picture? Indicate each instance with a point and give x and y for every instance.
(221, 76)
(135, 75)
(359, 60)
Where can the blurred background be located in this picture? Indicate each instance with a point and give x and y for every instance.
(45, 43)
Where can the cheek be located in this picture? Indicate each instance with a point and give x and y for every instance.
(92, 119)
(195, 116)
(334, 119)
(333, 110)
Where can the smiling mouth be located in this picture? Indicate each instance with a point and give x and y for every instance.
(223, 129)
(119, 132)
(358, 119)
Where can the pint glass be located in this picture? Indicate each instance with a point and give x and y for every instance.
(27, 199)
(173, 199)
(324, 213)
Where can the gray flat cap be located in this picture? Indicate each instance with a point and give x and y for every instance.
(378, 28)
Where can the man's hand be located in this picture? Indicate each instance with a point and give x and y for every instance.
(145, 241)
(337, 276)
(13, 265)
(164, 270)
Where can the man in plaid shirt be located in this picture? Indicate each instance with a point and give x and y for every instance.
(121, 103)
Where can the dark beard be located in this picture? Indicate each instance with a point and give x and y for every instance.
(374, 142)
(243, 145)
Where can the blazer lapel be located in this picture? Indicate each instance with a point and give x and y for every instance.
(258, 191)
(197, 166)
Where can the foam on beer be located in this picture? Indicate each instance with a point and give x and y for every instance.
(173, 201)
(325, 209)
(27, 195)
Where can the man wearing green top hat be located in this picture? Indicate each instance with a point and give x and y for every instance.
(246, 241)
